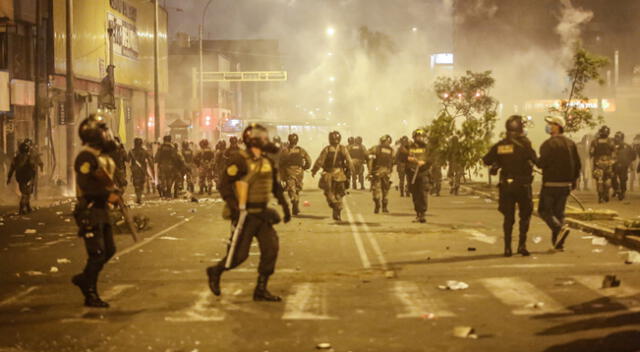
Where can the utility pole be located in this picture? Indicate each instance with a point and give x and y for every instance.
(70, 95)
(204, 12)
(36, 80)
(156, 89)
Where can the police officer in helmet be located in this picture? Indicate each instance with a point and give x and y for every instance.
(95, 190)
(418, 171)
(247, 183)
(514, 157)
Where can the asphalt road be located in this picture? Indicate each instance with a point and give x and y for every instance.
(369, 283)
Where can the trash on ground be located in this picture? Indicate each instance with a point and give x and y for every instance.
(63, 261)
(323, 346)
(30, 231)
(169, 238)
(566, 282)
(633, 257)
(454, 285)
(41, 224)
(471, 249)
(33, 273)
(428, 316)
(237, 292)
(172, 214)
(306, 203)
(587, 237)
(610, 281)
(537, 239)
(599, 241)
(597, 250)
(54, 269)
(536, 305)
(390, 274)
(465, 332)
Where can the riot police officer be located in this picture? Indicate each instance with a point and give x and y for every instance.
(25, 167)
(188, 155)
(249, 179)
(294, 161)
(121, 158)
(337, 167)
(140, 160)
(401, 165)
(205, 161)
(624, 158)
(418, 169)
(602, 152)
(167, 160)
(380, 165)
(358, 154)
(218, 160)
(455, 173)
(95, 189)
(514, 157)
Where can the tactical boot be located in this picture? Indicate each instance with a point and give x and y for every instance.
(261, 293)
(376, 203)
(621, 196)
(522, 249)
(385, 203)
(93, 300)
(138, 198)
(507, 251)
(401, 192)
(214, 274)
(336, 213)
(362, 188)
(79, 281)
(295, 209)
(421, 218)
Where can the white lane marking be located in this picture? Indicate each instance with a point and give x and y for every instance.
(479, 236)
(356, 237)
(416, 304)
(93, 316)
(594, 283)
(114, 291)
(149, 239)
(201, 311)
(519, 294)
(308, 302)
(18, 296)
(547, 265)
(374, 243)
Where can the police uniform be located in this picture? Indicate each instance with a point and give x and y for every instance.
(419, 175)
(140, 160)
(602, 151)
(455, 172)
(515, 158)
(401, 168)
(381, 159)
(624, 158)
(166, 158)
(358, 154)
(120, 158)
(334, 160)
(294, 161)
(204, 160)
(191, 170)
(436, 177)
(92, 216)
(25, 168)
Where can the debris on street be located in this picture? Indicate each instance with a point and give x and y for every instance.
(454, 285)
(610, 281)
(465, 332)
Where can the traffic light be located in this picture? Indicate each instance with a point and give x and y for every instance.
(207, 119)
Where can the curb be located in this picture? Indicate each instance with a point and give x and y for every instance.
(595, 229)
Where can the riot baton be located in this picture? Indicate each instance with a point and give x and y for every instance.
(234, 238)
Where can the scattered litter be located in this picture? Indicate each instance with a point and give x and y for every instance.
(454, 285)
(633, 257)
(169, 238)
(41, 224)
(599, 241)
(486, 200)
(465, 332)
(172, 214)
(323, 346)
(193, 210)
(25, 310)
(30, 231)
(67, 220)
(565, 282)
(58, 213)
(537, 239)
(536, 305)
(33, 273)
(597, 250)
(306, 203)
(428, 316)
(237, 292)
(63, 261)
(610, 281)
(390, 274)
(471, 249)
(587, 237)
(54, 269)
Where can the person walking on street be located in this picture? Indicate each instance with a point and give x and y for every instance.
(294, 161)
(358, 154)
(624, 158)
(603, 154)
(140, 161)
(418, 171)
(514, 157)
(25, 167)
(380, 165)
(560, 164)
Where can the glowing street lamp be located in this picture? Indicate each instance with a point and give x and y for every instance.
(330, 31)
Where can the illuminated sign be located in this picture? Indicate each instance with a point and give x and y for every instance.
(607, 105)
(441, 59)
(125, 37)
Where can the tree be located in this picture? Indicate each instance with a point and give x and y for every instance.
(585, 68)
(466, 111)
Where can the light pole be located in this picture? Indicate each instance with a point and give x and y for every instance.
(202, 59)
(156, 84)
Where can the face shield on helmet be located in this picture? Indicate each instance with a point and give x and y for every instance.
(293, 139)
(386, 140)
(604, 132)
(515, 124)
(358, 140)
(334, 138)
(419, 136)
(256, 136)
(619, 137)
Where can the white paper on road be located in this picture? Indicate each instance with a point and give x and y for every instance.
(307, 302)
(520, 294)
(599, 241)
(479, 236)
(416, 304)
(202, 310)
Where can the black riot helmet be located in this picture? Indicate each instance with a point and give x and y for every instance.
(233, 142)
(385, 140)
(293, 140)
(204, 143)
(277, 140)
(604, 132)
(166, 139)
(515, 124)
(137, 142)
(185, 145)
(222, 145)
(24, 147)
(95, 133)
(358, 140)
(335, 137)
(350, 140)
(404, 140)
(419, 136)
(257, 136)
(619, 137)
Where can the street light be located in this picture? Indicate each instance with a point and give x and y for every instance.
(414, 29)
(330, 31)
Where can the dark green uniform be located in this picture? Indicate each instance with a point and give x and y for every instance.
(140, 160)
(190, 168)
(381, 159)
(358, 154)
(624, 156)
(336, 166)
(515, 158)
(603, 154)
(419, 176)
(294, 161)
(25, 167)
(401, 167)
(167, 160)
